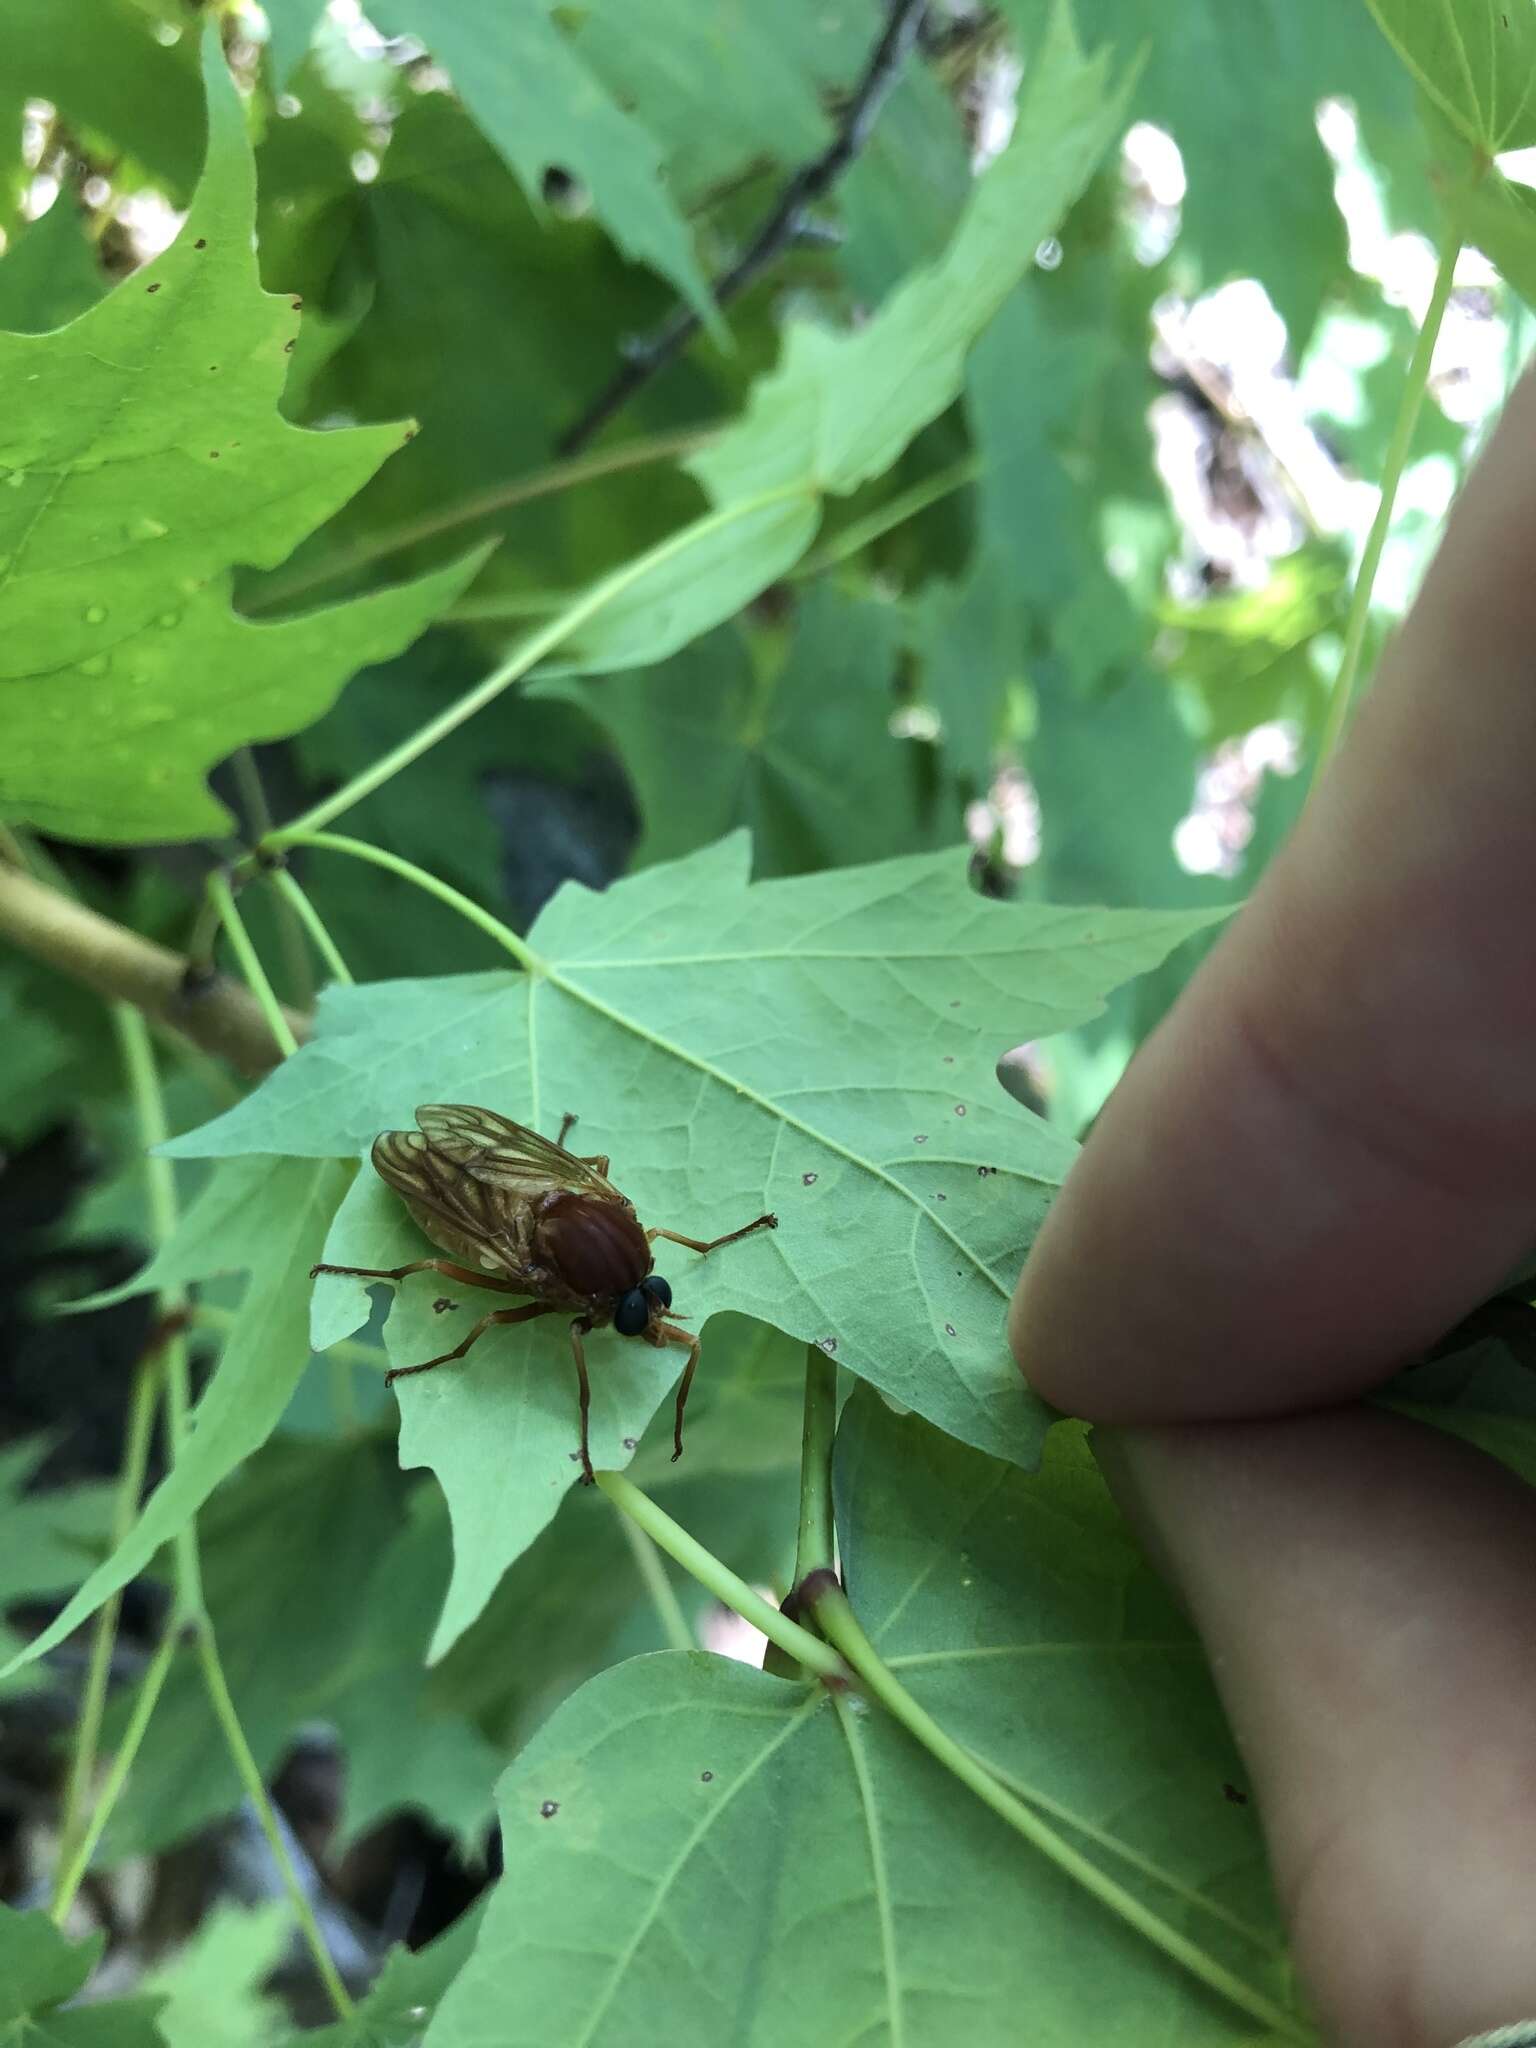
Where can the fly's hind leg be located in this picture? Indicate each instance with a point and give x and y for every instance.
(497, 1315)
(446, 1267)
(695, 1244)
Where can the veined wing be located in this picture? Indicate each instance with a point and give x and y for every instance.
(466, 1217)
(500, 1154)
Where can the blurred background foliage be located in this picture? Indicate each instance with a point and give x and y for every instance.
(1087, 622)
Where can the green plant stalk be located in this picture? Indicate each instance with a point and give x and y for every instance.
(82, 1767)
(222, 896)
(73, 1874)
(815, 1544)
(886, 518)
(1414, 387)
(298, 980)
(288, 888)
(190, 1610)
(359, 849)
(281, 590)
(172, 1304)
(718, 1578)
(524, 657)
(249, 1771)
(663, 1594)
(840, 1626)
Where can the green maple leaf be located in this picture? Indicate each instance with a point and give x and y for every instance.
(142, 457)
(820, 1047)
(875, 1897)
(40, 1969)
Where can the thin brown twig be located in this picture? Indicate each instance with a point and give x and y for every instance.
(216, 1014)
(644, 359)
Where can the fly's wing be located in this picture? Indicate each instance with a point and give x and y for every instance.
(467, 1218)
(499, 1154)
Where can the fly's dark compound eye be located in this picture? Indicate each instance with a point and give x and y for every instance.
(658, 1289)
(632, 1314)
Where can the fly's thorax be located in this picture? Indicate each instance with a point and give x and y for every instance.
(596, 1247)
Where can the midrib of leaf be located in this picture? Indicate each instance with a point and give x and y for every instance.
(853, 1735)
(669, 1876)
(773, 1109)
(1134, 1859)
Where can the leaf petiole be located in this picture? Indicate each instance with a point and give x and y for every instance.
(526, 655)
(286, 885)
(359, 849)
(718, 1578)
(222, 896)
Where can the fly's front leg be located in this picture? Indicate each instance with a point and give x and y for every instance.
(695, 1244)
(497, 1315)
(579, 1328)
(672, 1335)
(446, 1267)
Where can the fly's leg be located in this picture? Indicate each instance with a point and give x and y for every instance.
(446, 1267)
(695, 1244)
(599, 1161)
(676, 1336)
(579, 1328)
(497, 1315)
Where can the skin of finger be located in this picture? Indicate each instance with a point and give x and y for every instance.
(1323, 1155)
(1364, 1588)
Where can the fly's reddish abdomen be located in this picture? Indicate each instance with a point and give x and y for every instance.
(597, 1248)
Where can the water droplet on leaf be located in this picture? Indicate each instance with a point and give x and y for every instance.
(145, 528)
(94, 614)
(16, 479)
(96, 665)
(169, 619)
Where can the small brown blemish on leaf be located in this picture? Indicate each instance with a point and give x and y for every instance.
(549, 1809)
(409, 434)
(1233, 1796)
(151, 289)
(808, 1180)
(983, 1171)
(955, 1003)
(288, 348)
(201, 242)
(941, 1197)
(213, 454)
(296, 303)
(706, 1777)
(949, 1059)
(442, 1305)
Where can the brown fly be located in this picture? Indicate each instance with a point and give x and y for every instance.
(524, 1216)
